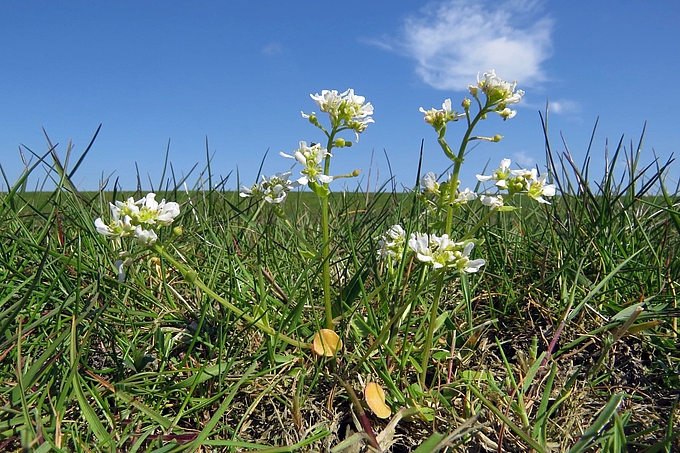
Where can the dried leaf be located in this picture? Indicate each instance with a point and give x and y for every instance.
(375, 398)
(326, 343)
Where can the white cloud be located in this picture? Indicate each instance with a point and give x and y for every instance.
(380, 43)
(272, 49)
(454, 40)
(524, 159)
(563, 107)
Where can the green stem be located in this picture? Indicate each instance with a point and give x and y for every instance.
(450, 197)
(434, 309)
(191, 276)
(457, 164)
(325, 253)
(326, 264)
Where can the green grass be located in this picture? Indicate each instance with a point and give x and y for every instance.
(542, 349)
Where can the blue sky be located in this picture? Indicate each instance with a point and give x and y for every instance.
(241, 72)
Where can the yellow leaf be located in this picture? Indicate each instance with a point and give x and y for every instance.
(375, 398)
(326, 343)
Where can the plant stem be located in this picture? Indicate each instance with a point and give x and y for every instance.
(361, 414)
(457, 164)
(450, 197)
(191, 276)
(325, 252)
(326, 272)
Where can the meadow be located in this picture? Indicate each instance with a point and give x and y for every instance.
(289, 318)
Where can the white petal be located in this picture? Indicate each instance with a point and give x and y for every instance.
(102, 228)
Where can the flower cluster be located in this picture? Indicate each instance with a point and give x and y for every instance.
(311, 157)
(430, 185)
(274, 189)
(138, 218)
(347, 110)
(518, 181)
(499, 93)
(439, 118)
(439, 251)
(392, 244)
(442, 252)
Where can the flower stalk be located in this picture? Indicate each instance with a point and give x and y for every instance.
(347, 111)
(440, 251)
(325, 254)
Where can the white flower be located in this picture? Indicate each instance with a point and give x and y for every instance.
(464, 263)
(345, 109)
(500, 175)
(420, 244)
(538, 189)
(429, 182)
(506, 113)
(392, 244)
(438, 118)
(442, 252)
(119, 227)
(274, 189)
(128, 207)
(145, 237)
(310, 157)
(167, 211)
(249, 191)
(465, 196)
(494, 202)
(499, 91)
(358, 106)
(103, 228)
(514, 98)
(120, 268)
(152, 212)
(132, 218)
(328, 100)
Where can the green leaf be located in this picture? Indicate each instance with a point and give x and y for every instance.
(431, 445)
(599, 424)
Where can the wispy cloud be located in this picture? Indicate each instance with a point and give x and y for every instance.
(272, 49)
(453, 40)
(524, 159)
(564, 107)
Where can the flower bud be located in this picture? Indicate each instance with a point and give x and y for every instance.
(312, 119)
(191, 276)
(177, 231)
(497, 138)
(466, 103)
(340, 143)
